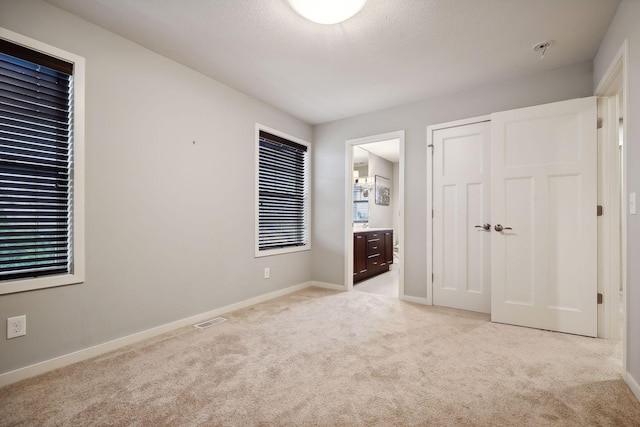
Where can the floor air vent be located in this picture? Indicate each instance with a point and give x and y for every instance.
(211, 322)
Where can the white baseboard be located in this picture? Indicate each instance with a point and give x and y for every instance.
(328, 286)
(96, 350)
(417, 300)
(633, 385)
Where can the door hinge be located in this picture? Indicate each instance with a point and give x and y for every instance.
(599, 210)
(599, 298)
(432, 214)
(430, 146)
(599, 123)
(432, 276)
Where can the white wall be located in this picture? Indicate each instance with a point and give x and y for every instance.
(395, 201)
(170, 224)
(380, 216)
(329, 142)
(363, 171)
(625, 25)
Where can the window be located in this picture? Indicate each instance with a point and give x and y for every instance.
(282, 223)
(361, 201)
(40, 166)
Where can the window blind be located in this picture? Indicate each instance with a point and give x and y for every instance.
(35, 163)
(282, 193)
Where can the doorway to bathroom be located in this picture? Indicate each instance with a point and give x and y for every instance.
(374, 214)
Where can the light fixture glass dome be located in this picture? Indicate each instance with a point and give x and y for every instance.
(327, 11)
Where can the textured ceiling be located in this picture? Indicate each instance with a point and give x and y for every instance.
(392, 53)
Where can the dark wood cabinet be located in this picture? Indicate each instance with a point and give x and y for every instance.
(388, 247)
(359, 253)
(372, 253)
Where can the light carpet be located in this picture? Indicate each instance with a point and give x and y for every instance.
(319, 357)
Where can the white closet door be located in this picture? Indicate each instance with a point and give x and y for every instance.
(543, 185)
(461, 200)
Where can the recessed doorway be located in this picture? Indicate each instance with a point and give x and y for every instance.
(374, 214)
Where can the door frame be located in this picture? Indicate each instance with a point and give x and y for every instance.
(609, 224)
(430, 130)
(616, 81)
(348, 213)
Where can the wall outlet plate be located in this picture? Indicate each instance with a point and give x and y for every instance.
(267, 272)
(16, 326)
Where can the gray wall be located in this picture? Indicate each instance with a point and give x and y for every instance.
(380, 216)
(329, 142)
(170, 225)
(626, 25)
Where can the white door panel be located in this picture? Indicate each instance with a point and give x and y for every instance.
(543, 184)
(461, 200)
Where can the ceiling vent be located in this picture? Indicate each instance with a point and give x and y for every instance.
(542, 47)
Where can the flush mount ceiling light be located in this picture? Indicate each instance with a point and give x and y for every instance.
(327, 11)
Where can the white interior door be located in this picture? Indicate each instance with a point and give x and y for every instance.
(461, 202)
(543, 185)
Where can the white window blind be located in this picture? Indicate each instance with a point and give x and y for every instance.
(282, 193)
(35, 163)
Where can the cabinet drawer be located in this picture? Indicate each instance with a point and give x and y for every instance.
(373, 235)
(374, 247)
(373, 261)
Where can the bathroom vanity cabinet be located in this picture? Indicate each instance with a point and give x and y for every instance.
(372, 253)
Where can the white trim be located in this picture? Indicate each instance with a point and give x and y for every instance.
(89, 352)
(429, 236)
(416, 300)
(307, 226)
(400, 231)
(609, 189)
(78, 175)
(348, 215)
(633, 385)
(610, 77)
(457, 123)
(348, 218)
(328, 286)
(607, 86)
(430, 130)
(623, 227)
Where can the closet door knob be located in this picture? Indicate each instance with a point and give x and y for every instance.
(485, 227)
(498, 227)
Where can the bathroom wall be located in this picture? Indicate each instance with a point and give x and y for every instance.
(380, 216)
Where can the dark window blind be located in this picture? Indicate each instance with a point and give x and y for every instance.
(282, 193)
(35, 163)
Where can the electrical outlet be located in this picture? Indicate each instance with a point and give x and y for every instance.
(267, 272)
(16, 326)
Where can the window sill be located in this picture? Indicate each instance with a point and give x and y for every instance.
(270, 252)
(32, 284)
